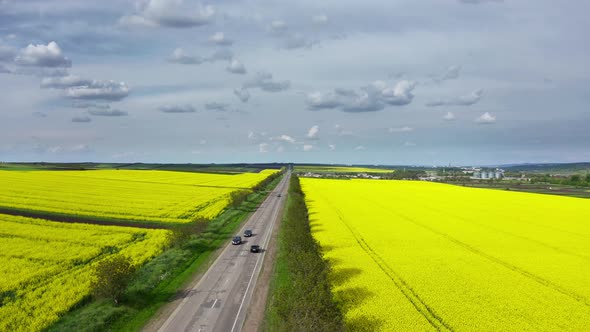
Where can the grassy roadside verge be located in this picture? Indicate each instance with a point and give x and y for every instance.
(160, 279)
(300, 298)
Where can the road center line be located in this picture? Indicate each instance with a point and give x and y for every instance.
(266, 241)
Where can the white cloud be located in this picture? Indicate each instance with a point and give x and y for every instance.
(79, 148)
(265, 82)
(169, 13)
(465, 100)
(320, 19)
(41, 55)
(89, 105)
(452, 73)
(278, 26)
(404, 129)
(220, 107)
(371, 98)
(81, 119)
(341, 131)
(263, 147)
(365, 101)
(242, 94)
(179, 56)
(307, 147)
(295, 41)
(236, 67)
(280, 148)
(359, 148)
(103, 112)
(332, 147)
(313, 132)
(136, 21)
(285, 138)
(318, 100)
(409, 144)
(219, 38)
(449, 116)
(400, 94)
(177, 108)
(254, 136)
(64, 82)
(486, 118)
(99, 90)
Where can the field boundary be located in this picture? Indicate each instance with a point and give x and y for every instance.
(67, 218)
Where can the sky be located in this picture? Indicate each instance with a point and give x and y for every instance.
(398, 82)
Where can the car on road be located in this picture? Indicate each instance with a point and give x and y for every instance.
(248, 233)
(236, 240)
(255, 248)
(279, 195)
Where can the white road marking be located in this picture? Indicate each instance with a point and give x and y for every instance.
(266, 241)
(267, 203)
(214, 303)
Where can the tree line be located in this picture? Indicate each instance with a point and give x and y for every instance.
(572, 180)
(301, 298)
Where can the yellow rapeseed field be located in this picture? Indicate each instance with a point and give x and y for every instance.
(418, 256)
(46, 267)
(156, 196)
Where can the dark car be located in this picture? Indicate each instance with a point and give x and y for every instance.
(248, 233)
(236, 240)
(279, 195)
(255, 248)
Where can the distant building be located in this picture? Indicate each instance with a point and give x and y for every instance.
(488, 174)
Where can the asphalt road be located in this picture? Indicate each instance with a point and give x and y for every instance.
(219, 301)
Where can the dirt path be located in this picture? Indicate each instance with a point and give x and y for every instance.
(79, 220)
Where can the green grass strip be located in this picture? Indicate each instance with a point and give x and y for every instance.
(300, 297)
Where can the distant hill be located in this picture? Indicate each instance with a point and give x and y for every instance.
(549, 167)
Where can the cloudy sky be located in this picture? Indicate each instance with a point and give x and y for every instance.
(334, 81)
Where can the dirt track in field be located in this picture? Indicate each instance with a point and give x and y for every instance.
(80, 220)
